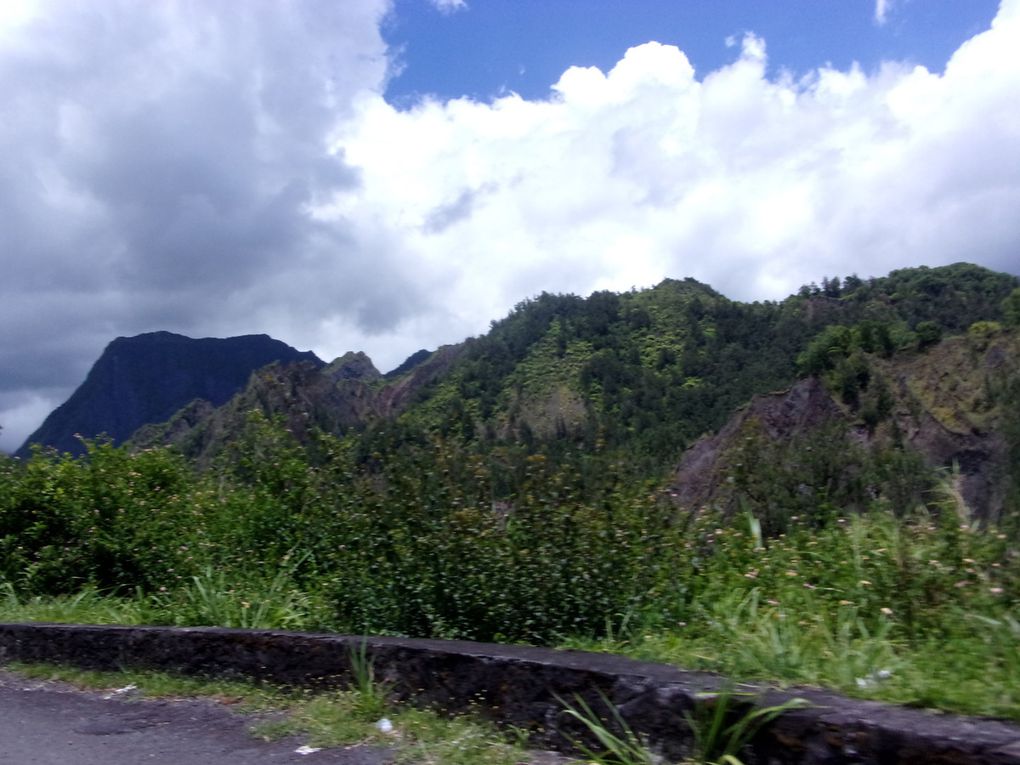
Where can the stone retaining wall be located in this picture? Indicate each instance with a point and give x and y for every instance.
(521, 686)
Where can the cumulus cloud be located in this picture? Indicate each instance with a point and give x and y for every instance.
(751, 182)
(882, 8)
(194, 168)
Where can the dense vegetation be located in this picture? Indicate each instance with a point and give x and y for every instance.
(644, 373)
(478, 514)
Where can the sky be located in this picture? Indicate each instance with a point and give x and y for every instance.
(388, 175)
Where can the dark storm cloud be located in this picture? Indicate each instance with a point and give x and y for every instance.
(160, 162)
(459, 209)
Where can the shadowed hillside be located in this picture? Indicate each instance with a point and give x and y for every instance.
(149, 377)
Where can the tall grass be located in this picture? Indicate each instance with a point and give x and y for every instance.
(255, 602)
(89, 606)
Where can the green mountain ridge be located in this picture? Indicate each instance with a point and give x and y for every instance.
(627, 382)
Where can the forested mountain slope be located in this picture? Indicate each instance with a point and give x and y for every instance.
(874, 427)
(629, 381)
(622, 384)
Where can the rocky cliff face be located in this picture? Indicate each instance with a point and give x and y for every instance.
(347, 394)
(399, 392)
(302, 394)
(354, 365)
(703, 472)
(149, 377)
(947, 405)
(952, 406)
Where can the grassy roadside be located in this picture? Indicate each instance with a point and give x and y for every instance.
(357, 716)
(973, 667)
(364, 715)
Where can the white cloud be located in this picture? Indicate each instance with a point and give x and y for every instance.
(449, 6)
(754, 184)
(882, 8)
(881, 11)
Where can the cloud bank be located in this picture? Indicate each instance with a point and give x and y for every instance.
(187, 166)
(753, 184)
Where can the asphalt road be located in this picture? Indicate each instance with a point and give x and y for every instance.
(47, 723)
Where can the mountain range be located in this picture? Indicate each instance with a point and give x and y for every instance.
(842, 393)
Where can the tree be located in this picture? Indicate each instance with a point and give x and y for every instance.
(823, 353)
(1011, 308)
(852, 283)
(928, 333)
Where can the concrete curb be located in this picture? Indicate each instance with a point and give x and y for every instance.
(521, 686)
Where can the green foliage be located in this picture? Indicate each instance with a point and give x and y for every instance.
(825, 472)
(431, 555)
(415, 545)
(840, 349)
(616, 741)
(250, 603)
(928, 334)
(372, 700)
(1011, 436)
(1011, 308)
(637, 375)
(872, 605)
(980, 333)
(87, 606)
(724, 723)
(953, 296)
(105, 518)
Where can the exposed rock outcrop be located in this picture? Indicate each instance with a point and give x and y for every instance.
(301, 394)
(348, 394)
(782, 415)
(947, 404)
(353, 365)
(399, 393)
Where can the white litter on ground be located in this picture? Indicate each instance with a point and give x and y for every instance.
(305, 749)
(874, 678)
(121, 691)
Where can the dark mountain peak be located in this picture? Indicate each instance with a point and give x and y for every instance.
(686, 286)
(147, 378)
(412, 361)
(353, 365)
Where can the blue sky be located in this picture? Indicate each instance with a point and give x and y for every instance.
(488, 47)
(388, 175)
